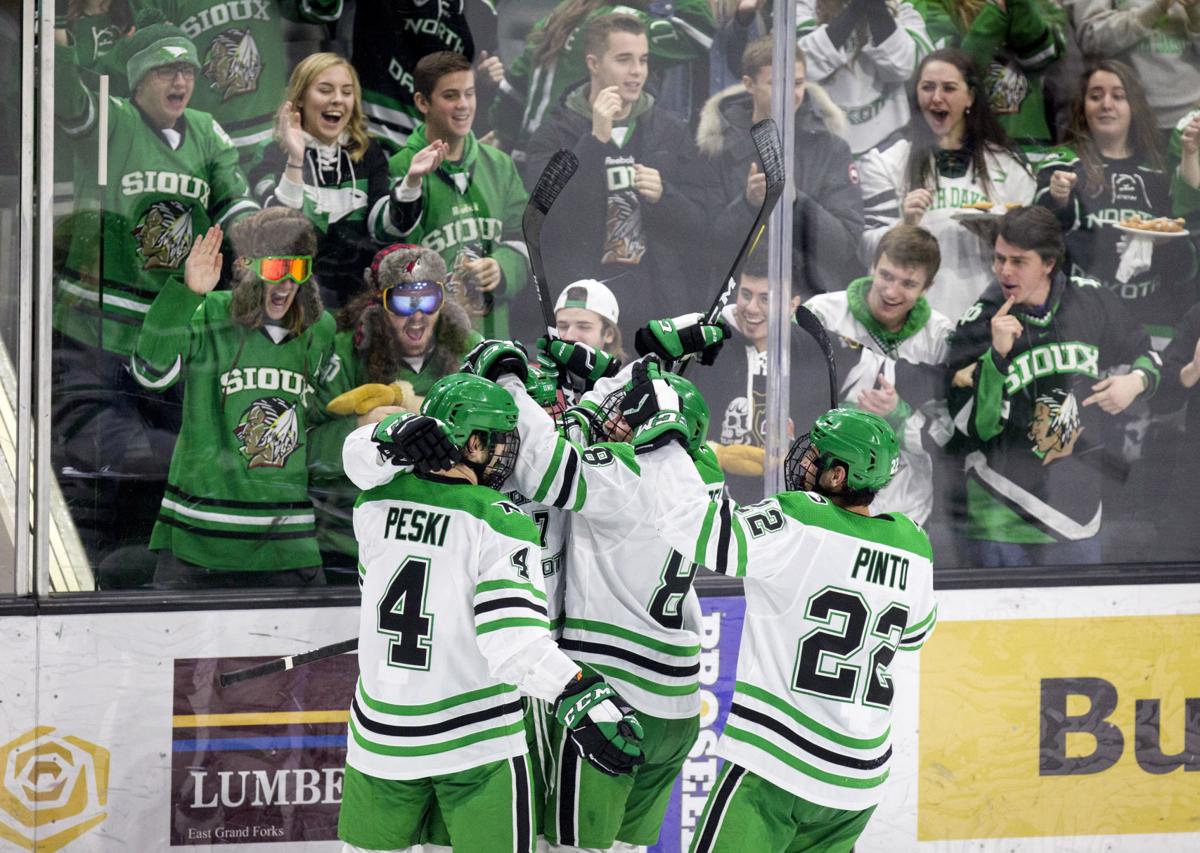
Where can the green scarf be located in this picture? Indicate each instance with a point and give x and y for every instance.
(890, 341)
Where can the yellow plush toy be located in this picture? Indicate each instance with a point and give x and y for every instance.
(364, 398)
(743, 460)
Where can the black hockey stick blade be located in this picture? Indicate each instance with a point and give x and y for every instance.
(287, 662)
(765, 136)
(809, 322)
(552, 181)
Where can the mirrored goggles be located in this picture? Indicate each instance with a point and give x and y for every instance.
(407, 299)
(277, 268)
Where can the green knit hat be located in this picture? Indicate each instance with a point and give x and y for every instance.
(156, 42)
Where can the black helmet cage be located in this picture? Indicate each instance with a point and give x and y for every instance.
(500, 465)
(609, 424)
(793, 463)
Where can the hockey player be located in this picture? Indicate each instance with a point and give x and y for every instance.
(243, 60)
(453, 617)
(457, 196)
(631, 612)
(236, 509)
(896, 346)
(832, 593)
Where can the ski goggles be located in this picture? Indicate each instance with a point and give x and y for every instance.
(407, 299)
(276, 268)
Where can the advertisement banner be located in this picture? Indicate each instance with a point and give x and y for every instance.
(1060, 727)
(719, 639)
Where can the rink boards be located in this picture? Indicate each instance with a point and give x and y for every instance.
(1061, 719)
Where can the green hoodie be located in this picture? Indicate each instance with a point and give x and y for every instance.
(485, 215)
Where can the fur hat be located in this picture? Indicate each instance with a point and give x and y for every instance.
(275, 231)
(155, 43)
(401, 263)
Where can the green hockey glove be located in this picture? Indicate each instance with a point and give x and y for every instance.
(542, 384)
(652, 410)
(602, 726)
(674, 338)
(580, 360)
(491, 358)
(406, 438)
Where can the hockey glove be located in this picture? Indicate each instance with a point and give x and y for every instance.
(651, 408)
(580, 360)
(418, 440)
(677, 337)
(490, 359)
(602, 726)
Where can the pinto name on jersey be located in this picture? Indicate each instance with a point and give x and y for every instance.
(167, 183)
(416, 525)
(265, 379)
(881, 567)
(220, 14)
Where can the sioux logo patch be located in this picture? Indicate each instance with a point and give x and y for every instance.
(1007, 87)
(164, 235)
(269, 432)
(1054, 427)
(233, 64)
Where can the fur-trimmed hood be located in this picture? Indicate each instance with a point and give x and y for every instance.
(728, 112)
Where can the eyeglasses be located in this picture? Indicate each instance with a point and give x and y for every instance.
(277, 268)
(407, 299)
(168, 72)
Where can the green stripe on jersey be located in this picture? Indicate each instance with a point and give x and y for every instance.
(548, 480)
(892, 530)
(922, 625)
(740, 536)
(633, 637)
(431, 707)
(705, 533)
(735, 733)
(492, 586)
(638, 681)
(434, 748)
(808, 722)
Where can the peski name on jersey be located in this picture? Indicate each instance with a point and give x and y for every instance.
(220, 14)
(881, 567)
(168, 183)
(416, 525)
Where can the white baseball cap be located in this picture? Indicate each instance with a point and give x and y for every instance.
(592, 295)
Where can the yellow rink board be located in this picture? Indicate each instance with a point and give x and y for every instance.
(980, 726)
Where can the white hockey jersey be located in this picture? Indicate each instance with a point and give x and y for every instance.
(966, 259)
(453, 616)
(869, 81)
(911, 489)
(631, 612)
(831, 596)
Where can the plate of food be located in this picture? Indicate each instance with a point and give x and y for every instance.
(1160, 227)
(981, 211)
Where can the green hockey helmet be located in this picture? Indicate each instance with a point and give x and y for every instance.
(691, 405)
(862, 441)
(466, 404)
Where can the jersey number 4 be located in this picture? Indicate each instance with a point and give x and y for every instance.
(403, 615)
(823, 663)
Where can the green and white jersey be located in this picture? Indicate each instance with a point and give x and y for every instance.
(631, 612)
(157, 201)
(831, 596)
(453, 625)
(237, 490)
(243, 57)
(554, 528)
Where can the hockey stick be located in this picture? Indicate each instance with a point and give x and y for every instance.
(765, 136)
(552, 181)
(808, 321)
(287, 662)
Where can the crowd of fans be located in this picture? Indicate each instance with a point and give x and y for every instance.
(242, 281)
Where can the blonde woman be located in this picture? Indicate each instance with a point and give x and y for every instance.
(326, 166)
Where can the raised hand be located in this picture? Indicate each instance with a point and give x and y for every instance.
(676, 337)
(881, 400)
(426, 162)
(202, 269)
(915, 204)
(756, 186)
(491, 358)
(605, 108)
(485, 272)
(1005, 329)
(289, 132)
(1061, 184)
(489, 69)
(417, 440)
